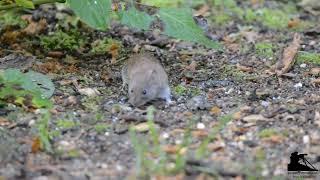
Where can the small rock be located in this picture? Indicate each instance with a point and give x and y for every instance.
(254, 118)
(200, 126)
(303, 65)
(116, 108)
(265, 103)
(142, 127)
(32, 122)
(165, 135)
(91, 92)
(119, 167)
(306, 139)
(198, 103)
(107, 133)
(229, 91)
(298, 85)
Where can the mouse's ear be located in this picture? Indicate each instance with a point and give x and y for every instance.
(152, 73)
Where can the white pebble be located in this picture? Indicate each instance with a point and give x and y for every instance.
(200, 126)
(165, 135)
(265, 103)
(104, 166)
(306, 139)
(107, 133)
(230, 91)
(119, 167)
(178, 141)
(303, 65)
(64, 143)
(298, 85)
(32, 122)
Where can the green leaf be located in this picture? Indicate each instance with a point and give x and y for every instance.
(25, 3)
(163, 3)
(31, 81)
(13, 76)
(136, 19)
(39, 82)
(95, 13)
(180, 24)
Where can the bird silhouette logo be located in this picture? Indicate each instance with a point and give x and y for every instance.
(298, 162)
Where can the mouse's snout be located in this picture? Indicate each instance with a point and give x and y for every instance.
(136, 101)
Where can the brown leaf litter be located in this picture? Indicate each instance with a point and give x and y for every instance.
(288, 57)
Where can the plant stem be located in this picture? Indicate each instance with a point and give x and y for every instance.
(35, 2)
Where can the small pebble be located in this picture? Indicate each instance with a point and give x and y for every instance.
(178, 141)
(91, 92)
(298, 85)
(104, 166)
(119, 167)
(32, 122)
(265, 103)
(303, 65)
(165, 135)
(200, 126)
(230, 91)
(306, 139)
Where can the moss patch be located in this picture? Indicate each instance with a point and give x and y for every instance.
(267, 133)
(60, 40)
(66, 124)
(10, 18)
(101, 128)
(306, 57)
(182, 90)
(105, 45)
(264, 49)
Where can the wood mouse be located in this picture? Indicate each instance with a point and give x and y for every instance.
(146, 79)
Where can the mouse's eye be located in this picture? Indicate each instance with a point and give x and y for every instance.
(144, 92)
(131, 91)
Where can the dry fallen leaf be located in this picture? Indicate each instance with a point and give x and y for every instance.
(191, 67)
(114, 51)
(4, 122)
(244, 68)
(10, 37)
(215, 110)
(36, 145)
(314, 71)
(315, 82)
(171, 149)
(91, 92)
(200, 133)
(275, 139)
(254, 118)
(34, 27)
(293, 23)
(204, 10)
(250, 36)
(288, 57)
(142, 127)
(49, 66)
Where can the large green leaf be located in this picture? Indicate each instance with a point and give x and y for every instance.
(163, 3)
(180, 24)
(39, 82)
(136, 19)
(25, 3)
(31, 81)
(95, 13)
